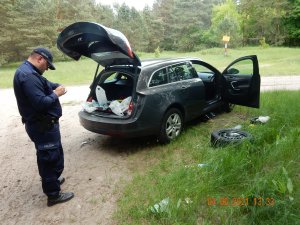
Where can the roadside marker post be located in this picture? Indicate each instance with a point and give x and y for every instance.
(225, 40)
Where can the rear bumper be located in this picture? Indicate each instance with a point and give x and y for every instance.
(129, 127)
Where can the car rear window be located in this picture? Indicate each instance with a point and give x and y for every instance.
(159, 77)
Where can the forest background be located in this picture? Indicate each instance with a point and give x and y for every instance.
(172, 25)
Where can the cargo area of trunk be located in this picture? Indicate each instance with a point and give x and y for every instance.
(111, 95)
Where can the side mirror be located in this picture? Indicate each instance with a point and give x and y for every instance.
(233, 71)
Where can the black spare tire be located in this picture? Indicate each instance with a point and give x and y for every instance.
(228, 136)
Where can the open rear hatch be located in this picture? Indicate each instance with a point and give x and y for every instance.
(106, 46)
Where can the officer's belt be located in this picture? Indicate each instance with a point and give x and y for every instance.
(46, 119)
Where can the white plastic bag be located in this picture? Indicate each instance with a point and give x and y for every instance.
(115, 108)
(119, 108)
(101, 96)
(125, 104)
(263, 119)
(162, 206)
(88, 107)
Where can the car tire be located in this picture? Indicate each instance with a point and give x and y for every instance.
(171, 126)
(224, 137)
(228, 107)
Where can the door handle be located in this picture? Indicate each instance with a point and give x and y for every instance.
(183, 87)
(233, 87)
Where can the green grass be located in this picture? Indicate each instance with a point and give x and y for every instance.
(266, 169)
(67, 73)
(273, 61)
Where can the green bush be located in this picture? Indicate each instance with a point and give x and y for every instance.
(263, 43)
(157, 52)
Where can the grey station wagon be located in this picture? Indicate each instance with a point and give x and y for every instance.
(160, 95)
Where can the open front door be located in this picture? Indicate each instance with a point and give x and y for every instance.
(241, 82)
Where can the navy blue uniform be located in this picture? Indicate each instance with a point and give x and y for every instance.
(37, 101)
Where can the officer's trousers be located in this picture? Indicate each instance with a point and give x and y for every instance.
(50, 156)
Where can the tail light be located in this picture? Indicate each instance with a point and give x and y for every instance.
(90, 99)
(130, 108)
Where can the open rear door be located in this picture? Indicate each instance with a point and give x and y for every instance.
(106, 46)
(241, 82)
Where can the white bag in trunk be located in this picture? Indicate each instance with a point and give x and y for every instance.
(101, 96)
(119, 108)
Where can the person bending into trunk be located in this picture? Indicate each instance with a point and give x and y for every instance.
(40, 109)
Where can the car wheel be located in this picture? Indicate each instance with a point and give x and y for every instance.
(228, 107)
(171, 126)
(228, 136)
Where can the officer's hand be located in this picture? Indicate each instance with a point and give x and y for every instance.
(60, 90)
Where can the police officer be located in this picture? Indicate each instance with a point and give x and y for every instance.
(40, 109)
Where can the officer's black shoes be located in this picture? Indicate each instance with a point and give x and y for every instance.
(62, 197)
(61, 180)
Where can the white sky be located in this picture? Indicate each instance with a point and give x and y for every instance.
(138, 4)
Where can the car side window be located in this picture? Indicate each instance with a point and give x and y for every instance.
(202, 69)
(184, 71)
(206, 74)
(159, 78)
(244, 67)
(191, 71)
(172, 75)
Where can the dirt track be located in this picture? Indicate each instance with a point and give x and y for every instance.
(95, 166)
(94, 169)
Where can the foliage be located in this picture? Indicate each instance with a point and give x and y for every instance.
(5, 17)
(164, 17)
(264, 19)
(226, 21)
(188, 25)
(292, 23)
(263, 43)
(153, 30)
(157, 52)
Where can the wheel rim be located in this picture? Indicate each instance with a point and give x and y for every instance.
(173, 126)
(232, 135)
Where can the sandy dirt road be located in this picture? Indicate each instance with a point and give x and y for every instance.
(94, 171)
(96, 166)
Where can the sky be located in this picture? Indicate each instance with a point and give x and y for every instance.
(138, 4)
